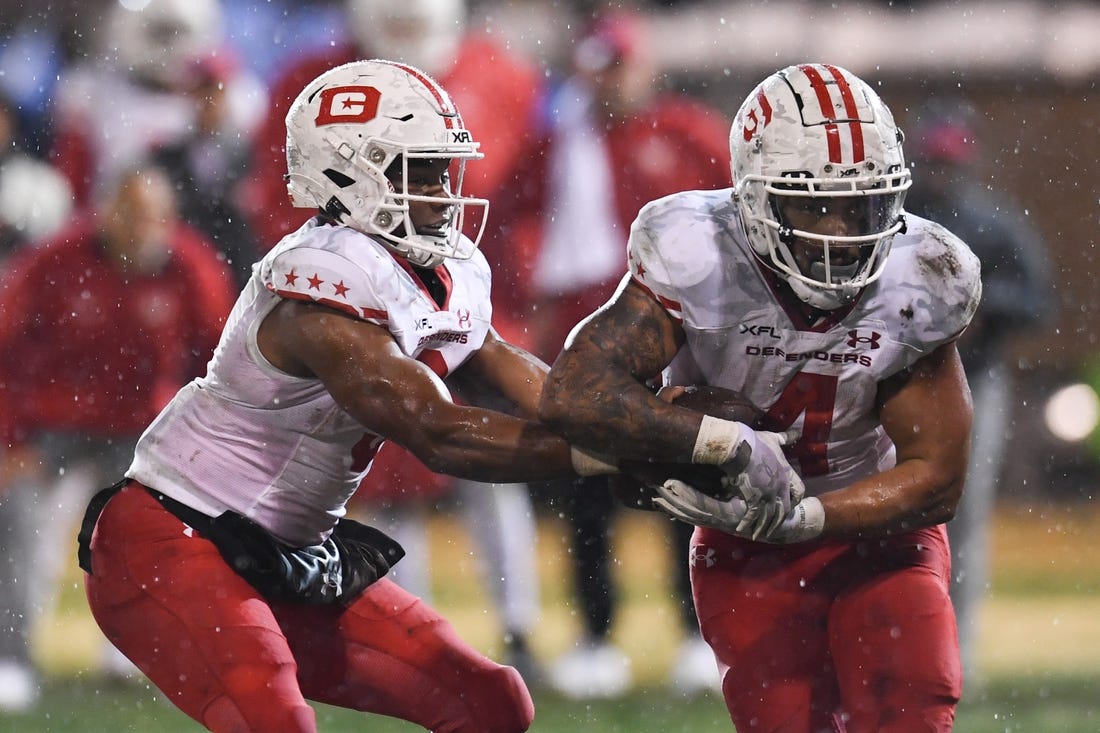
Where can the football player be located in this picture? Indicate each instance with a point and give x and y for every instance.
(223, 565)
(809, 290)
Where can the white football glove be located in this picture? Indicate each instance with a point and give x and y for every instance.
(680, 501)
(756, 468)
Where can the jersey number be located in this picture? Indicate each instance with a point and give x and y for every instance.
(811, 395)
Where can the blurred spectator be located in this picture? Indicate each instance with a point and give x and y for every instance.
(98, 329)
(948, 189)
(35, 199)
(208, 163)
(31, 57)
(496, 91)
(615, 141)
(269, 34)
(132, 95)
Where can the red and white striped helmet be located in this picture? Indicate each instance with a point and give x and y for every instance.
(346, 129)
(817, 130)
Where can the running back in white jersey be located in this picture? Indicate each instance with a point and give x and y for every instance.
(277, 448)
(821, 379)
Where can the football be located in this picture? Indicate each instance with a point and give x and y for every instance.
(632, 486)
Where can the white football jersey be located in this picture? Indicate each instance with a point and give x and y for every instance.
(821, 379)
(277, 448)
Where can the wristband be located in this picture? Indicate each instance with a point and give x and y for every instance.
(587, 463)
(717, 441)
(807, 522)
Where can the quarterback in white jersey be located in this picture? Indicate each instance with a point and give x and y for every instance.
(294, 455)
(223, 565)
(821, 585)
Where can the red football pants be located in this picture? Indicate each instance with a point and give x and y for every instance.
(236, 662)
(831, 637)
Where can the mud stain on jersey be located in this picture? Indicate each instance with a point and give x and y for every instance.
(941, 262)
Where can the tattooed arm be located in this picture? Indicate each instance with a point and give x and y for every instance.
(595, 394)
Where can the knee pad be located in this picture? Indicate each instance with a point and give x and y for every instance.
(500, 704)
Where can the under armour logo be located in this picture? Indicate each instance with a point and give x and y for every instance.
(463, 318)
(702, 555)
(854, 339)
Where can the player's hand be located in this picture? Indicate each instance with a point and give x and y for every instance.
(680, 501)
(765, 479)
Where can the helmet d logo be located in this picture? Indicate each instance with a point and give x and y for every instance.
(343, 105)
(765, 110)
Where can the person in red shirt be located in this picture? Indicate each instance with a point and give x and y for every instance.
(615, 142)
(99, 327)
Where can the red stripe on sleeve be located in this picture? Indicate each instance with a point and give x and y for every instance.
(361, 313)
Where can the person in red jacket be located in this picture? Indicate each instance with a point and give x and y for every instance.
(99, 327)
(497, 90)
(616, 141)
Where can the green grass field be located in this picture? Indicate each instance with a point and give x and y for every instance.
(1039, 651)
(1011, 704)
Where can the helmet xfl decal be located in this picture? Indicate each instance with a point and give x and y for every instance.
(343, 105)
(855, 338)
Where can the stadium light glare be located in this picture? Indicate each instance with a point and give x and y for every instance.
(1072, 412)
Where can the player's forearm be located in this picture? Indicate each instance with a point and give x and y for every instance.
(484, 445)
(595, 393)
(613, 413)
(913, 495)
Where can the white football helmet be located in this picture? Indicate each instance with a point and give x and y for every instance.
(345, 130)
(817, 130)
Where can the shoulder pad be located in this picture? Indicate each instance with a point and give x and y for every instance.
(328, 275)
(939, 279)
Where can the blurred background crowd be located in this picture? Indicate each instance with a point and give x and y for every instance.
(141, 163)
